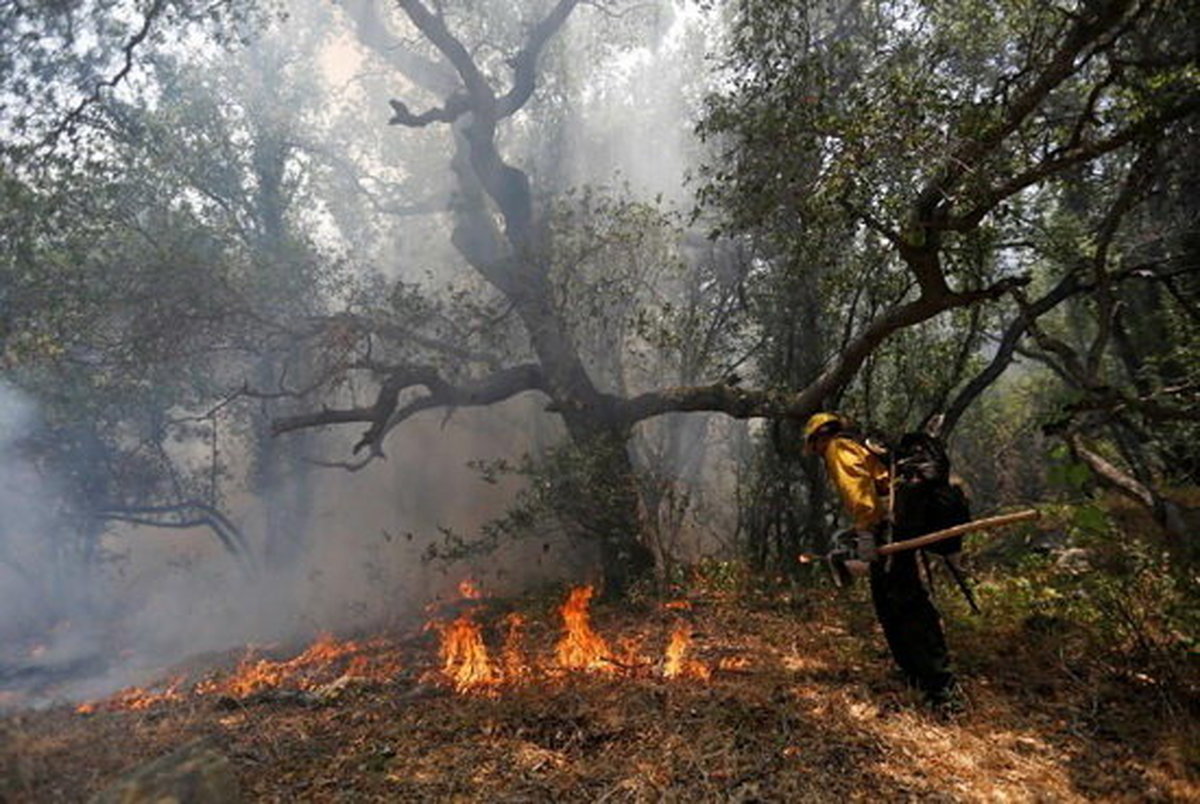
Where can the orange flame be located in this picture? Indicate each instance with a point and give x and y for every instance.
(310, 670)
(302, 671)
(516, 668)
(135, 699)
(469, 590)
(465, 657)
(676, 664)
(581, 648)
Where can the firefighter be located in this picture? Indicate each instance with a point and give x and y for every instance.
(911, 624)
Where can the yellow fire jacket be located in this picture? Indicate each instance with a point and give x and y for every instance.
(861, 480)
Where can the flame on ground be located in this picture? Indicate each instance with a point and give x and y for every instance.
(317, 665)
(676, 664)
(136, 699)
(465, 661)
(581, 648)
(465, 657)
(302, 672)
(516, 667)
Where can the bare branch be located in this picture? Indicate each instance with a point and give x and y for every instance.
(1049, 167)
(1089, 25)
(72, 117)
(524, 64)
(187, 514)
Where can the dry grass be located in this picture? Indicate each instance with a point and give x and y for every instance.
(816, 716)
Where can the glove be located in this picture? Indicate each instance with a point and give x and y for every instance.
(864, 546)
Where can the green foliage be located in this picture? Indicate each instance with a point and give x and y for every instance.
(572, 491)
(1110, 601)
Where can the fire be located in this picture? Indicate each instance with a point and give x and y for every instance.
(465, 660)
(465, 663)
(734, 664)
(465, 657)
(324, 660)
(516, 668)
(581, 648)
(136, 699)
(676, 664)
(253, 676)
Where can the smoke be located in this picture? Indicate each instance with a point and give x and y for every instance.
(638, 110)
(160, 595)
(43, 581)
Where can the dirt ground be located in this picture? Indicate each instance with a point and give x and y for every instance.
(803, 704)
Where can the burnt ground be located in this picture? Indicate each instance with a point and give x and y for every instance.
(816, 714)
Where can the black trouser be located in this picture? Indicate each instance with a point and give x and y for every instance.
(910, 623)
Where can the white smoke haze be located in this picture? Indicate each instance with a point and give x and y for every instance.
(174, 593)
(26, 525)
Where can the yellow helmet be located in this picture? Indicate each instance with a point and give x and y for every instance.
(819, 422)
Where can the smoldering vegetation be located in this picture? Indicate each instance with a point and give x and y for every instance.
(309, 311)
(259, 210)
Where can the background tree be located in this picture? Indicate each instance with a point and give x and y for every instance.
(925, 142)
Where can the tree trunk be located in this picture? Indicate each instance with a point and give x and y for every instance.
(602, 500)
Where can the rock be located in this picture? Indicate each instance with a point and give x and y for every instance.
(1075, 560)
(195, 774)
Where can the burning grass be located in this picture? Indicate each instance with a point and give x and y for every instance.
(798, 705)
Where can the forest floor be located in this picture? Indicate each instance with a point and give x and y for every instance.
(802, 704)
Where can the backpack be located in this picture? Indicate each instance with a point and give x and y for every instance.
(927, 500)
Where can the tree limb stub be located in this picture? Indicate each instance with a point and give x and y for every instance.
(455, 108)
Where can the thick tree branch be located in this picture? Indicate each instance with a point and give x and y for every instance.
(1068, 286)
(434, 27)
(1090, 24)
(1112, 400)
(743, 403)
(372, 30)
(524, 64)
(1169, 514)
(1084, 152)
(387, 412)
